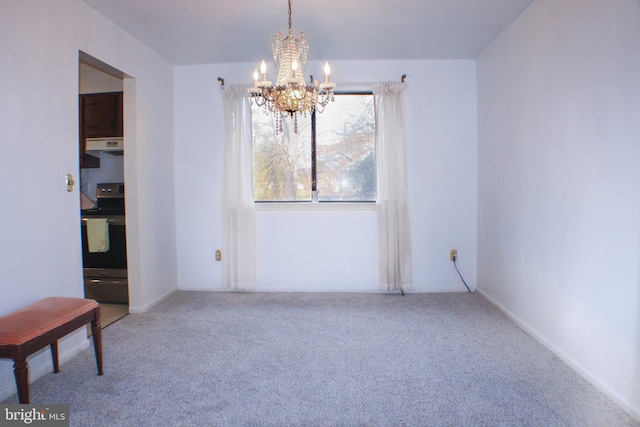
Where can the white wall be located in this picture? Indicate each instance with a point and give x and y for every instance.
(111, 170)
(559, 174)
(40, 251)
(317, 249)
(93, 80)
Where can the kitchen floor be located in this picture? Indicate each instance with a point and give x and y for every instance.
(110, 313)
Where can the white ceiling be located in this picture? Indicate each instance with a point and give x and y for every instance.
(215, 31)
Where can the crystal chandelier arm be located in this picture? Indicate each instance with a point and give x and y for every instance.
(268, 94)
(298, 92)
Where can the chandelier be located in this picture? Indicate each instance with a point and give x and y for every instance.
(290, 94)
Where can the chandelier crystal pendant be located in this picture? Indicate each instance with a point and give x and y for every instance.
(290, 94)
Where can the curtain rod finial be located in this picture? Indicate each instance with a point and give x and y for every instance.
(221, 80)
(404, 76)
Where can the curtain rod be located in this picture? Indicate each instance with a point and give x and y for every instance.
(221, 80)
(402, 79)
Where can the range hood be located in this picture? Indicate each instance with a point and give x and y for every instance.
(105, 144)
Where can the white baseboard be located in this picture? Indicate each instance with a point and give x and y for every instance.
(608, 391)
(201, 289)
(146, 307)
(370, 290)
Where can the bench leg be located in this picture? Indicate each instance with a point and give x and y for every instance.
(96, 333)
(54, 356)
(21, 372)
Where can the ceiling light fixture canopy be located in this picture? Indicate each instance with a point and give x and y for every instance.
(290, 94)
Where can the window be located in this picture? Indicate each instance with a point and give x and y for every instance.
(333, 152)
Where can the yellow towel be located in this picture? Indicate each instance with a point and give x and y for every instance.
(98, 234)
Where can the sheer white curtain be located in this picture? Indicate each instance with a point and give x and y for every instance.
(239, 232)
(394, 238)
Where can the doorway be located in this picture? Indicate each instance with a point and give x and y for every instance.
(102, 184)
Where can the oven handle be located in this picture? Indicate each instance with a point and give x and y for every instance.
(113, 221)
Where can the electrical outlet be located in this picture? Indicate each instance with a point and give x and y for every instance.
(218, 255)
(453, 254)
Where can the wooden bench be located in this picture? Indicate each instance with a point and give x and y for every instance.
(32, 328)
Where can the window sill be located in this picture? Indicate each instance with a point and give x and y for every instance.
(321, 206)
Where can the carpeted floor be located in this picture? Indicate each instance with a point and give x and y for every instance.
(324, 359)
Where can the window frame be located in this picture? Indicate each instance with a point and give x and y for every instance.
(314, 177)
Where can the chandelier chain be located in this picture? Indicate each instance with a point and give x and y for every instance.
(289, 15)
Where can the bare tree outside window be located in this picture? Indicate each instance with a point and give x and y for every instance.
(345, 153)
(282, 160)
(346, 150)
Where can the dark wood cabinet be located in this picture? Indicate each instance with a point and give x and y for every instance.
(102, 114)
(100, 117)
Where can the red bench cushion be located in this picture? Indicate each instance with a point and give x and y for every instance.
(25, 324)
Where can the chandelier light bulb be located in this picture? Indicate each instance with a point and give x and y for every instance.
(327, 72)
(263, 70)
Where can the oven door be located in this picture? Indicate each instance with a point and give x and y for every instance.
(105, 273)
(107, 289)
(116, 257)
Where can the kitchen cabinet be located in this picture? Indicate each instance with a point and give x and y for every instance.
(100, 116)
